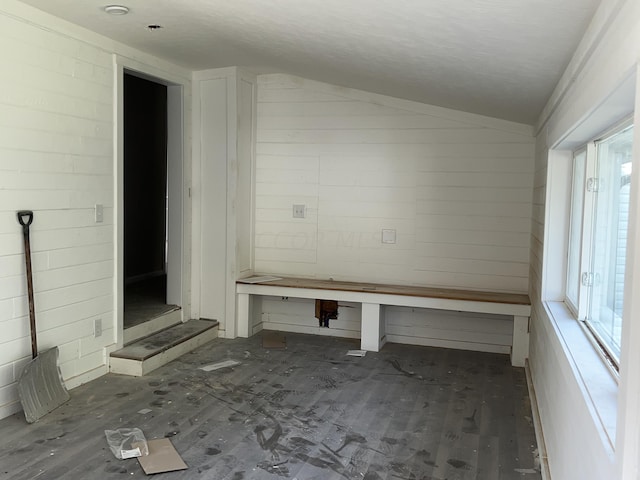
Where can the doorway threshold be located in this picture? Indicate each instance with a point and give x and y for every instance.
(150, 326)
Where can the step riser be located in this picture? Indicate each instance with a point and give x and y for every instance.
(139, 368)
(152, 326)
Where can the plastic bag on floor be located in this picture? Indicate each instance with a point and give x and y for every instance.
(127, 443)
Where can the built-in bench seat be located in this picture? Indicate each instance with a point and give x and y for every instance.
(372, 296)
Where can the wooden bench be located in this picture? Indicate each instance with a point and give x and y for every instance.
(372, 296)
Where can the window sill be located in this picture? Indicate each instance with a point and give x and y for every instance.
(597, 381)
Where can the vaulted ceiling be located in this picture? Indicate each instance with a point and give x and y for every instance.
(500, 58)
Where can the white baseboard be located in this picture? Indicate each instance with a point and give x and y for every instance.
(537, 425)
(454, 344)
(85, 377)
(9, 409)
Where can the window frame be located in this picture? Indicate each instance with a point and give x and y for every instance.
(580, 308)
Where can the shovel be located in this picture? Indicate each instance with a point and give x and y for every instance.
(40, 386)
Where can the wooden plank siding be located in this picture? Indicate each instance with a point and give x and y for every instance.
(57, 159)
(457, 190)
(56, 145)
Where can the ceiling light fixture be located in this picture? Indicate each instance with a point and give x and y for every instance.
(116, 9)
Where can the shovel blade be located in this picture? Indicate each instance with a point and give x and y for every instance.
(40, 387)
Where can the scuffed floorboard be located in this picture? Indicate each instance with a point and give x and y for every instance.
(307, 412)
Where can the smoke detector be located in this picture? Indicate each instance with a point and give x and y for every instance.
(116, 9)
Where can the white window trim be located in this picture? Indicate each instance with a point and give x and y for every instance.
(602, 350)
(579, 311)
(599, 386)
(596, 380)
(580, 302)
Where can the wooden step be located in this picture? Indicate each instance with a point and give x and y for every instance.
(153, 325)
(147, 354)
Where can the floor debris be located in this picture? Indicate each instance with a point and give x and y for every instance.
(274, 340)
(163, 457)
(306, 412)
(219, 365)
(356, 353)
(127, 442)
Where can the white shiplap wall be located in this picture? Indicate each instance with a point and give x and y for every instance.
(576, 395)
(224, 165)
(456, 188)
(56, 148)
(297, 315)
(56, 158)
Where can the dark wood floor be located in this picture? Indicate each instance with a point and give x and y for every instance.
(307, 412)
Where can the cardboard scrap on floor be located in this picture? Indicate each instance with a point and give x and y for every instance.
(162, 457)
(357, 353)
(274, 340)
(219, 365)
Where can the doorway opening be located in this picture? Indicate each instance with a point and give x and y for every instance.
(146, 201)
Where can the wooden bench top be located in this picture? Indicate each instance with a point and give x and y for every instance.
(408, 291)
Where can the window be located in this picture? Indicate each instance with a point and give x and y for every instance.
(574, 260)
(598, 237)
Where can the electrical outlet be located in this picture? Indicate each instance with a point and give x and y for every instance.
(299, 211)
(97, 327)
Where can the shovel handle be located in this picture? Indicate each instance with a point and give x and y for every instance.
(25, 218)
(21, 217)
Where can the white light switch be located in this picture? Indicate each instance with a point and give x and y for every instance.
(97, 327)
(99, 213)
(299, 211)
(388, 236)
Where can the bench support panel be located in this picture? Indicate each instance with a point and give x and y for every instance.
(372, 329)
(520, 345)
(243, 314)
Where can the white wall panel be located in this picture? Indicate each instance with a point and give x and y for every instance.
(57, 148)
(246, 175)
(405, 149)
(480, 223)
(388, 136)
(476, 194)
(298, 315)
(345, 107)
(426, 324)
(56, 158)
(225, 173)
(213, 198)
(378, 121)
(449, 183)
(577, 443)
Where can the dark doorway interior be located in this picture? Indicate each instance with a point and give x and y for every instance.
(145, 200)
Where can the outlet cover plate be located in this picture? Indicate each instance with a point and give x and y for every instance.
(99, 213)
(299, 211)
(388, 236)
